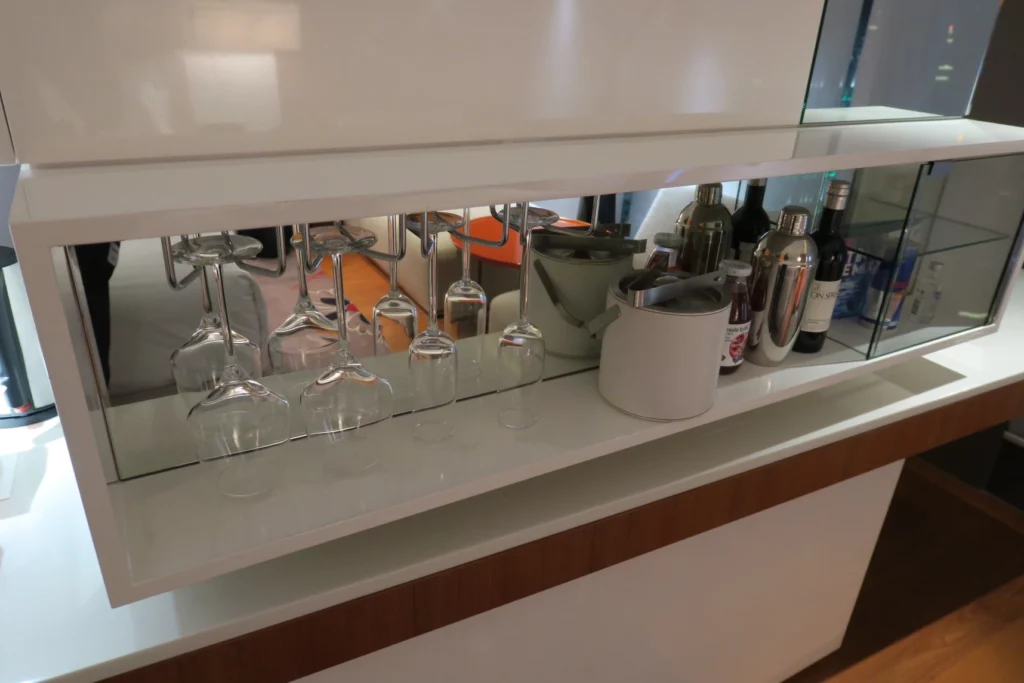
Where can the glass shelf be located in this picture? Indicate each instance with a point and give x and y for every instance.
(927, 235)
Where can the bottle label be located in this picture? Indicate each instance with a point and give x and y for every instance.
(735, 343)
(820, 303)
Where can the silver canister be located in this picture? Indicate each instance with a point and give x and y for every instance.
(706, 228)
(784, 263)
(701, 236)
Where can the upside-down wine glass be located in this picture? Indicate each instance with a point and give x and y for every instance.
(198, 364)
(240, 415)
(465, 309)
(346, 396)
(521, 345)
(394, 305)
(306, 340)
(433, 360)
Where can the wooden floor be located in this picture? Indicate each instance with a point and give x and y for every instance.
(943, 598)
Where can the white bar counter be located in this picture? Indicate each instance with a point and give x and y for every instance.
(56, 623)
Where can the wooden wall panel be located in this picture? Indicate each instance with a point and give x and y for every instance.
(338, 634)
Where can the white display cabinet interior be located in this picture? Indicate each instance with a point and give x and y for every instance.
(159, 514)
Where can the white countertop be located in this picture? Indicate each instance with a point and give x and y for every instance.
(56, 623)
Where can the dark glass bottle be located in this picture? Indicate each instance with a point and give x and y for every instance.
(735, 343)
(831, 260)
(750, 222)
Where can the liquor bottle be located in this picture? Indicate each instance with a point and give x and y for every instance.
(750, 222)
(831, 262)
(736, 276)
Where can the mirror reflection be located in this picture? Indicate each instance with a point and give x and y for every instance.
(221, 348)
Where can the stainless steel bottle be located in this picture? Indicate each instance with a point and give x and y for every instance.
(784, 264)
(706, 228)
(701, 237)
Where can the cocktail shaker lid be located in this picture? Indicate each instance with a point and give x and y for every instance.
(709, 194)
(794, 220)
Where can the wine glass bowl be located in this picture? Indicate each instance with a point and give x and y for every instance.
(239, 415)
(393, 306)
(521, 350)
(347, 396)
(465, 309)
(433, 357)
(307, 339)
(198, 364)
(521, 355)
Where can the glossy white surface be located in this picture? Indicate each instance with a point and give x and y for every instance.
(193, 78)
(861, 114)
(150, 200)
(177, 529)
(754, 601)
(66, 631)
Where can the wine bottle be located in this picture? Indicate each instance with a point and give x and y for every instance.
(831, 260)
(750, 222)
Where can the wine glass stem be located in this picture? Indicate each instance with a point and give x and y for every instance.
(300, 259)
(339, 294)
(222, 304)
(465, 245)
(393, 228)
(525, 238)
(431, 277)
(204, 288)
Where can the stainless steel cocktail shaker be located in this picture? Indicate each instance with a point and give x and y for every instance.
(701, 237)
(784, 263)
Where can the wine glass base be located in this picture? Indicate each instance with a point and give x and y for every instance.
(516, 418)
(248, 479)
(433, 431)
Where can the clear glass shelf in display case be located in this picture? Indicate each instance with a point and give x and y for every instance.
(929, 250)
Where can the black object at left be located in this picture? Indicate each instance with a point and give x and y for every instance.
(16, 405)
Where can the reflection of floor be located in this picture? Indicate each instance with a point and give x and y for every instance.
(364, 286)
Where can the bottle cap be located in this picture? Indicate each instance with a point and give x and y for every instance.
(758, 182)
(737, 268)
(837, 194)
(709, 194)
(794, 220)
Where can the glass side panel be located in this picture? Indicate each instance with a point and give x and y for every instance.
(940, 275)
(881, 60)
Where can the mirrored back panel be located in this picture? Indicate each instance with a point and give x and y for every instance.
(206, 345)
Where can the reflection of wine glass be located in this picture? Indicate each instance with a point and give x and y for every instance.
(198, 364)
(521, 345)
(346, 396)
(240, 415)
(394, 305)
(465, 309)
(433, 368)
(306, 340)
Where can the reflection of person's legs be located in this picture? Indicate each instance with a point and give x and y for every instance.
(96, 264)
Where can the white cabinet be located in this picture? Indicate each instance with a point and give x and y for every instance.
(116, 79)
